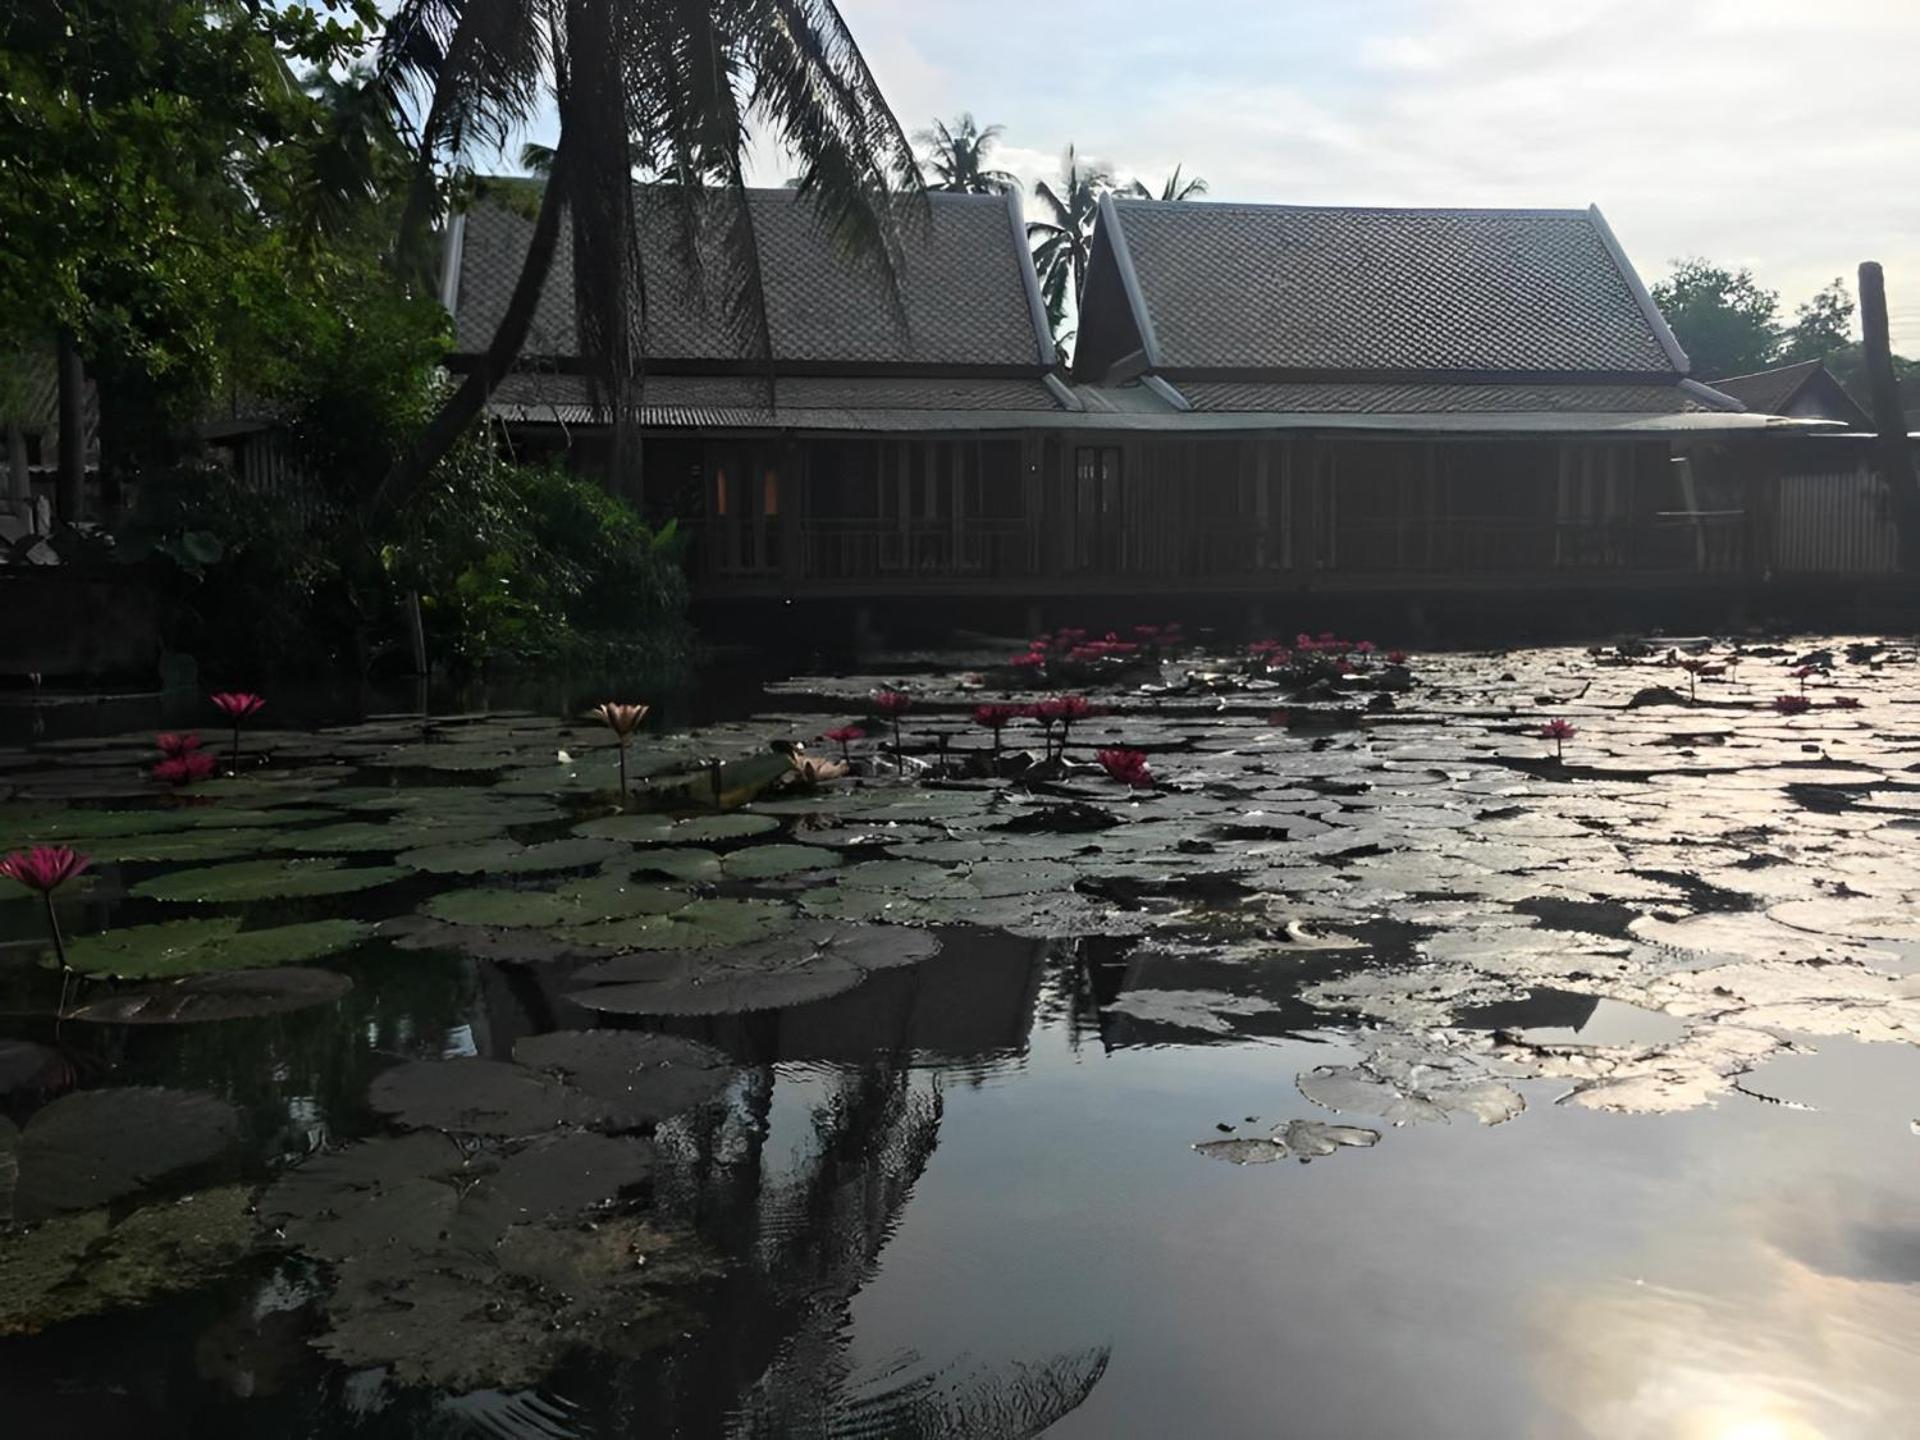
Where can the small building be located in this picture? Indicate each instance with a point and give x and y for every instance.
(1265, 399)
(1805, 391)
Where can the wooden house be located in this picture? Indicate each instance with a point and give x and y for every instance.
(1264, 399)
(1805, 391)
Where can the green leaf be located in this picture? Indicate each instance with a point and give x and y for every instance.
(195, 947)
(267, 880)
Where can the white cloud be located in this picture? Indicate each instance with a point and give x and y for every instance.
(1760, 132)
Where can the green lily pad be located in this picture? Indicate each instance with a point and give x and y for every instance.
(509, 857)
(705, 829)
(238, 995)
(72, 1266)
(769, 862)
(195, 947)
(700, 924)
(481, 1097)
(267, 880)
(95, 1146)
(601, 898)
(192, 844)
(37, 826)
(644, 1078)
(697, 866)
(633, 829)
(350, 837)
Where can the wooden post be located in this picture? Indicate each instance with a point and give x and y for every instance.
(1889, 418)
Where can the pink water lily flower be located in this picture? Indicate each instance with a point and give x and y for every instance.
(1129, 767)
(1792, 704)
(237, 705)
(171, 744)
(843, 736)
(46, 868)
(1559, 731)
(893, 704)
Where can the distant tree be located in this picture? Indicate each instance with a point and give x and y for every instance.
(957, 158)
(1173, 188)
(1725, 322)
(1822, 326)
(1062, 239)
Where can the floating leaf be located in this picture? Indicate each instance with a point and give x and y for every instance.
(645, 1078)
(509, 857)
(194, 947)
(584, 902)
(191, 844)
(481, 1097)
(705, 829)
(700, 924)
(72, 1266)
(237, 996)
(351, 837)
(768, 862)
(95, 1146)
(812, 962)
(266, 880)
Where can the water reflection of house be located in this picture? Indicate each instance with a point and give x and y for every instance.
(1264, 399)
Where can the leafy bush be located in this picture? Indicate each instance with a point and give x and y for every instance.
(524, 565)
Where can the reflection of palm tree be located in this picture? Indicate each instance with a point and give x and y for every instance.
(957, 157)
(1174, 188)
(1063, 238)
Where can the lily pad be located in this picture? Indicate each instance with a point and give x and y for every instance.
(72, 1266)
(194, 947)
(509, 857)
(769, 862)
(96, 1146)
(697, 925)
(191, 844)
(239, 995)
(586, 902)
(645, 1078)
(705, 829)
(482, 1097)
(266, 880)
(354, 837)
(811, 962)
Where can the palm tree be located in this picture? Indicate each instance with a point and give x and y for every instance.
(663, 89)
(1173, 189)
(958, 158)
(1063, 240)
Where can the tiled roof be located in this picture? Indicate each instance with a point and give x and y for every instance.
(1806, 389)
(831, 402)
(1367, 398)
(963, 283)
(1281, 287)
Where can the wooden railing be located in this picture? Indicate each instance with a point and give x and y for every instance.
(870, 550)
(1714, 543)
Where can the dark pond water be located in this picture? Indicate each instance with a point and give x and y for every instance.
(1371, 1074)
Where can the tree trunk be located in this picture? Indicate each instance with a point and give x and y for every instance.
(70, 491)
(1889, 418)
(407, 474)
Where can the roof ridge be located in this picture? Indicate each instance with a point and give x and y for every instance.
(1132, 202)
(1815, 363)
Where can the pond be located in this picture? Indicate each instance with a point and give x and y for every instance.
(1295, 1039)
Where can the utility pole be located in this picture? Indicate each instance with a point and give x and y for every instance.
(1892, 451)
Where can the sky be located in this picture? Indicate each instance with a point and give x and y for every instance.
(1782, 135)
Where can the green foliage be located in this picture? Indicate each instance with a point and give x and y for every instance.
(1724, 321)
(533, 565)
(247, 584)
(1821, 326)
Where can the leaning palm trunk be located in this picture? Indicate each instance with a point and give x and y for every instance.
(410, 471)
(668, 86)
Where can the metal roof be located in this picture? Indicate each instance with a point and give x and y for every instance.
(1219, 287)
(965, 285)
